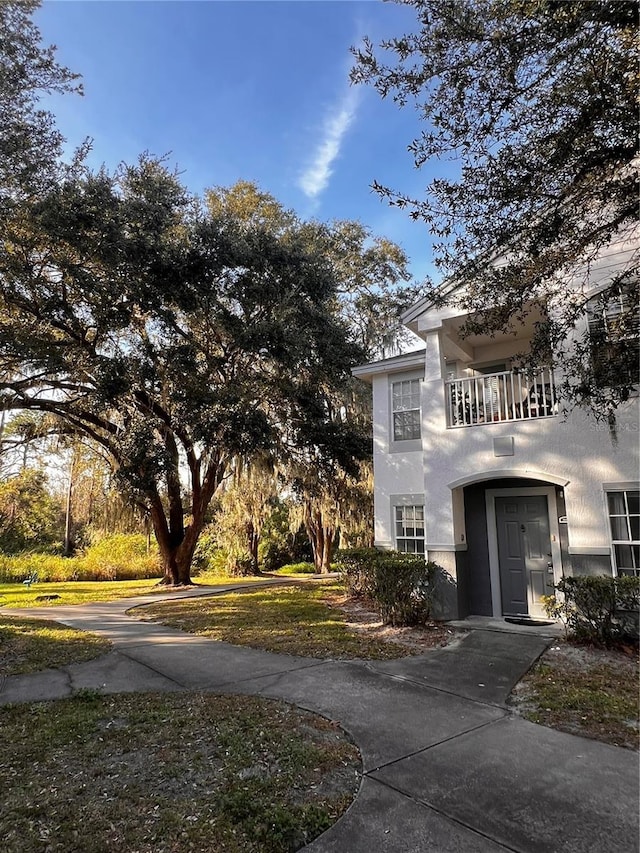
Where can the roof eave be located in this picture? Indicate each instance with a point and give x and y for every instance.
(396, 364)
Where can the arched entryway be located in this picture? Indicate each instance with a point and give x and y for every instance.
(514, 554)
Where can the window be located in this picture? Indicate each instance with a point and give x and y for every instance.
(614, 334)
(410, 529)
(624, 518)
(492, 391)
(406, 409)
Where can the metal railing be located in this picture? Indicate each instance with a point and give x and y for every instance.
(499, 397)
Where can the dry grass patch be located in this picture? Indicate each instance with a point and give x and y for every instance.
(171, 772)
(310, 619)
(583, 690)
(30, 645)
(361, 617)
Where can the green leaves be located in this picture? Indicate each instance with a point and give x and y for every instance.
(535, 102)
(29, 143)
(28, 514)
(175, 337)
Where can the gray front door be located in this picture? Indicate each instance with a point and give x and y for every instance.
(524, 553)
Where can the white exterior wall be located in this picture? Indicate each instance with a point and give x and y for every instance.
(575, 452)
(395, 473)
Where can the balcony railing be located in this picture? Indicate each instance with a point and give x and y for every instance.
(499, 397)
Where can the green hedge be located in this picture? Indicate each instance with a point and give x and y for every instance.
(357, 567)
(296, 569)
(401, 585)
(598, 609)
(118, 557)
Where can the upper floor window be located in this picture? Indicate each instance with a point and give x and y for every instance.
(405, 397)
(614, 334)
(624, 518)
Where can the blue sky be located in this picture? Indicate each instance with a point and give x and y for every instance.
(252, 89)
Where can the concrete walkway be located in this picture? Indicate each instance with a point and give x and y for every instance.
(447, 767)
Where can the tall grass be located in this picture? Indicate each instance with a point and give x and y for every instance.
(117, 557)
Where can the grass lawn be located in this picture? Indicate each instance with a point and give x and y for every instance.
(29, 645)
(170, 772)
(295, 620)
(85, 592)
(584, 690)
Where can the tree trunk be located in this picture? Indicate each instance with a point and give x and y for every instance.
(177, 569)
(176, 549)
(327, 552)
(171, 572)
(253, 540)
(322, 538)
(315, 537)
(177, 543)
(68, 523)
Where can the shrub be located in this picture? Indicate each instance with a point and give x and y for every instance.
(297, 569)
(207, 555)
(48, 567)
(279, 545)
(402, 585)
(118, 557)
(404, 588)
(597, 609)
(239, 563)
(357, 566)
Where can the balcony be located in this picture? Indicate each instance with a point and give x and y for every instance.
(500, 397)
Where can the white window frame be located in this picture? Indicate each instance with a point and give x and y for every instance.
(404, 445)
(409, 397)
(409, 517)
(601, 312)
(633, 544)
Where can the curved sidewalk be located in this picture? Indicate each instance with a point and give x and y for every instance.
(447, 767)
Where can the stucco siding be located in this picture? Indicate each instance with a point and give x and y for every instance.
(567, 457)
(575, 451)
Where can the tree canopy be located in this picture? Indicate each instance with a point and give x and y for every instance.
(372, 290)
(30, 144)
(373, 281)
(179, 335)
(176, 339)
(536, 103)
(28, 514)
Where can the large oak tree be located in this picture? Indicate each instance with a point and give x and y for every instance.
(174, 336)
(180, 337)
(372, 289)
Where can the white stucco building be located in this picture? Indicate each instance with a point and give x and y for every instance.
(476, 466)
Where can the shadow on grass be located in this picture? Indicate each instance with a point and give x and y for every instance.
(31, 645)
